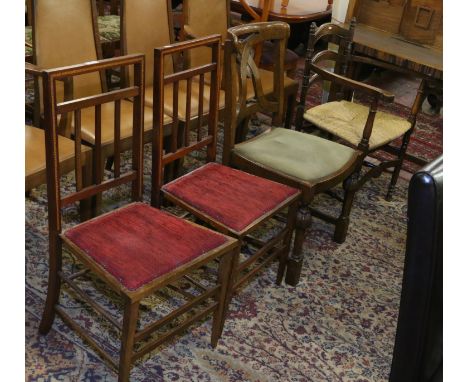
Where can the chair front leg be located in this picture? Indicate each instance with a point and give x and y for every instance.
(303, 221)
(226, 278)
(290, 224)
(397, 169)
(130, 320)
(54, 283)
(350, 189)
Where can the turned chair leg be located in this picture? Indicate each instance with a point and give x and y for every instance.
(130, 320)
(283, 260)
(397, 169)
(54, 283)
(303, 221)
(342, 224)
(226, 275)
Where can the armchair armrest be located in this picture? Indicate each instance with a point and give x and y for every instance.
(356, 85)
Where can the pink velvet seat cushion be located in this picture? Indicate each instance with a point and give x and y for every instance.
(138, 243)
(233, 198)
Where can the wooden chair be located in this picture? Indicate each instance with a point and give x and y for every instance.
(77, 22)
(233, 202)
(360, 126)
(264, 54)
(309, 163)
(147, 24)
(135, 250)
(199, 22)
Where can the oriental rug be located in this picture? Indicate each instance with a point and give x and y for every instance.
(338, 324)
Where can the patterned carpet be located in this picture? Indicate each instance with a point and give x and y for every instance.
(338, 324)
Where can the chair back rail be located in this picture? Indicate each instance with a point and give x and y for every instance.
(53, 107)
(161, 80)
(240, 66)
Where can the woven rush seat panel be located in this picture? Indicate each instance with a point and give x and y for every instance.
(347, 120)
(303, 156)
(138, 243)
(232, 197)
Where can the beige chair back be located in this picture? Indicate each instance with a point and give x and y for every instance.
(204, 18)
(147, 24)
(64, 34)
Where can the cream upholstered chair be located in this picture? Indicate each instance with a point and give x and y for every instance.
(204, 17)
(147, 24)
(304, 161)
(35, 158)
(76, 43)
(359, 125)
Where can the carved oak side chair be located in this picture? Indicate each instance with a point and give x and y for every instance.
(360, 126)
(307, 162)
(199, 22)
(233, 202)
(135, 250)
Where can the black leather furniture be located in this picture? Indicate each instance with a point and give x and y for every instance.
(417, 355)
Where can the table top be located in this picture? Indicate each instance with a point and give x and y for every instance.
(392, 48)
(290, 11)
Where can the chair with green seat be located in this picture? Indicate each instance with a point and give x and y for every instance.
(307, 162)
(346, 119)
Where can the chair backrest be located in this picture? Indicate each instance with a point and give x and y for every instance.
(240, 68)
(146, 24)
(53, 107)
(204, 18)
(65, 33)
(191, 140)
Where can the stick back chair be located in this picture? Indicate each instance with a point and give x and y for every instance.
(233, 202)
(360, 126)
(136, 250)
(304, 161)
(199, 22)
(77, 42)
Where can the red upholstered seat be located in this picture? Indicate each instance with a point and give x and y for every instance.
(232, 197)
(138, 243)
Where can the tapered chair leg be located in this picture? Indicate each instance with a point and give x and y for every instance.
(397, 169)
(226, 274)
(283, 260)
(342, 224)
(54, 283)
(128, 339)
(289, 108)
(303, 221)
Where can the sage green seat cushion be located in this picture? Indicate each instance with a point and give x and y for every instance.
(109, 28)
(300, 155)
(347, 120)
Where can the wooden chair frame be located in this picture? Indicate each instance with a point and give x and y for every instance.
(278, 246)
(343, 87)
(130, 335)
(237, 58)
(290, 92)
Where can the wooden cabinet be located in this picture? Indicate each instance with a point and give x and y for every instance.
(418, 21)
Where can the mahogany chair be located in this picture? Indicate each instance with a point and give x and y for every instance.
(360, 126)
(304, 161)
(135, 250)
(199, 22)
(233, 202)
(76, 21)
